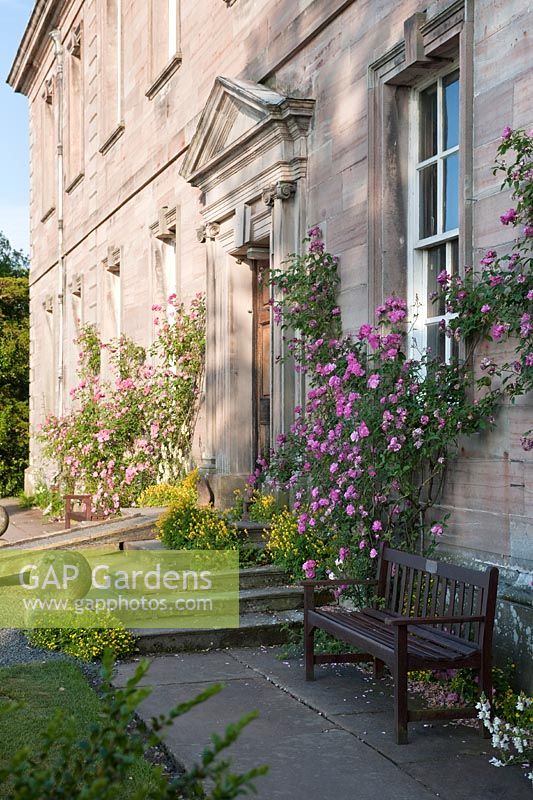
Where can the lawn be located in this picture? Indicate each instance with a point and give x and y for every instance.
(42, 689)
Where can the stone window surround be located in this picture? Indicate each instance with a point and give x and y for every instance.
(111, 127)
(74, 48)
(166, 230)
(419, 248)
(429, 44)
(47, 148)
(164, 74)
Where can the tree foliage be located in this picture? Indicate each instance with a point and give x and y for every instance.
(14, 358)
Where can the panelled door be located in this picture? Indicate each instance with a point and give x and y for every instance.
(261, 347)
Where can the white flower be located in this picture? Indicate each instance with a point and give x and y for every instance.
(496, 762)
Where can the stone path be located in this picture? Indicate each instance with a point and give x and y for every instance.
(327, 740)
(25, 523)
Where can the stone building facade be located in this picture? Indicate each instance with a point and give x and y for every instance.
(187, 146)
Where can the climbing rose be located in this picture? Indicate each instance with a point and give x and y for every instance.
(309, 568)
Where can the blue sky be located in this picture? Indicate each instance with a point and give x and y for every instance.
(14, 186)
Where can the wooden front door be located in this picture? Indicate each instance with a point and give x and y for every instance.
(261, 373)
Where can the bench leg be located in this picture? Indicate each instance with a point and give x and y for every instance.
(309, 646)
(401, 713)
(378, 668)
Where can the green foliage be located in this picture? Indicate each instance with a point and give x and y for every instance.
(14, 359)
(13, 263)
(97, 765)
(185, 526)
(49, 500)
(90, 352)
(88, 644)
(366, 458)
(323, 643)
(160, 494)
(31, 696)
(260, 507)
(289, 548)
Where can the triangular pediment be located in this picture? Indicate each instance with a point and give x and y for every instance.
(235, 112)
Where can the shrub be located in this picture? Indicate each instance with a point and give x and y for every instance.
(261, 507)
(99, 765)
(166, 494)
(49, 501)
(136, 429)
(88, 644)
(365, 459)
(185, 526)
(290, 549)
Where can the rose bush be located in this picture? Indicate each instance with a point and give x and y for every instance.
(135, 429)
(366, 456)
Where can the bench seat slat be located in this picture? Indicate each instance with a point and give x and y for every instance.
(417, 647)
(370, 629)
(432, 634)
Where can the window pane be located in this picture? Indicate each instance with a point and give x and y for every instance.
(428, 201)
(436, 342)
(451, 110)
(453, 266)
(451, 192)
(436, 262)
(428, 122)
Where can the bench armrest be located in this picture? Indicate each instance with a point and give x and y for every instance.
(337, 582)
(433, 620)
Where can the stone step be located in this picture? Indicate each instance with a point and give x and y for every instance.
(271, 599)
(144, 544)
(267, 599)
(260, 577)
(255, 629)
(249, 577)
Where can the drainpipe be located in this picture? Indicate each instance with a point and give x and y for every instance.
(58, 53)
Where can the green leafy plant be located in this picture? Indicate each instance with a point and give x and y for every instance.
(160, 494)
(49, 500)
(14, 356)
(97, 766)
(87, 644)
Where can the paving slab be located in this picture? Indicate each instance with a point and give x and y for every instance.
(330, 739)
(307, 756)
(187, 668)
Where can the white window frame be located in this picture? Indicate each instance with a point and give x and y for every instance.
(418, 248)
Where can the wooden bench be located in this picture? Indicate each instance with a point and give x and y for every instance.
(85, 514)
(428, 615)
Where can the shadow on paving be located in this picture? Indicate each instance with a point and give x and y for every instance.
(326, 740)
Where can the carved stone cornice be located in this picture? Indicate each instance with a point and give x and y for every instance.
(75, 285)
(48, 90)
(112, 262)
(165, 227)
(35, 41)
(282, 190)
(208, 231)
(74, 41)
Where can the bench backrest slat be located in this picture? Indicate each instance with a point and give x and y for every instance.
(414, 586)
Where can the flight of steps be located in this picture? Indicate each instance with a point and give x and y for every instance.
(269, 608)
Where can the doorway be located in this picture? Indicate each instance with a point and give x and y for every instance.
(261, 358)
